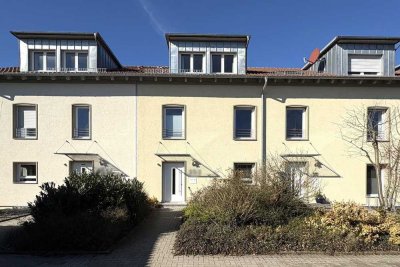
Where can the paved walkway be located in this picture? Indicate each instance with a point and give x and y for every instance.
(151, 245)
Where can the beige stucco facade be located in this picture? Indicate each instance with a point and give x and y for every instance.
(127, 127)
(113, 132)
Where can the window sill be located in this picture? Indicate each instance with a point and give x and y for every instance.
(81, 138)
(244, 139)
(174, 138)
(33, 182)
(297, 139)
(22, 138)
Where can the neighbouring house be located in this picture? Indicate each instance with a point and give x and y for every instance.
(72, 106)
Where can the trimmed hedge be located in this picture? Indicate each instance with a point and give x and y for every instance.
(88, 212)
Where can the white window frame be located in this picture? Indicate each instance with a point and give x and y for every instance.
(234, 63)
(16, 122)
(384, 123)
(253, 170)
(75, 108)
(253, 135)
(383, 177)
(191, 70)
(17, 170)
(164, 123)
(76, 69)
(353, 73)
(304, 123)
(32, 60)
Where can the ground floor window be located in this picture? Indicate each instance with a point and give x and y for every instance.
(245, 170)
(372, 181)
(25, 172)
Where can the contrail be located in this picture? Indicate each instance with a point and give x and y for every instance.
(157, 25)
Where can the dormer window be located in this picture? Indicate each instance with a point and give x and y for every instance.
(43, 61)
(75, 61)
(222, 63)
(365, 65)
(191, 63)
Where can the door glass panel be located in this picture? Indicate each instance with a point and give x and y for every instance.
(185, 63)
(38, 61)
(82, 61)
(216, 63)
(228, 63)
(197, 63)
(173, 181)
(51, 60)
(70, 61)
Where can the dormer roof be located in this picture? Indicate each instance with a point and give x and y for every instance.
(95, 36)
(207, 37)
(354, 40)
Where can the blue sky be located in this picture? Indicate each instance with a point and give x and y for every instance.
(283, 32)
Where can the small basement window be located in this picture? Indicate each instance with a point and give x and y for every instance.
(25, 172)
(365, 65)
(245, 170)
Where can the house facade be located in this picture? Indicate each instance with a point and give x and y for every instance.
(71, 106)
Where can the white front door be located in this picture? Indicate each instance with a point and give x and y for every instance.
(173, 182)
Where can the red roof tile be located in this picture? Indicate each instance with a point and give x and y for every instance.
(9, 69)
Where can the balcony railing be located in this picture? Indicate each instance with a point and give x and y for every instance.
(81, 133)
(243, 133)
(294, 133)
(25, 133)
(65, 70)
(172, 133)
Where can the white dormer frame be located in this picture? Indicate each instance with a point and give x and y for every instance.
(192, 54)
(31, 56)
(76, 52)
(234, 67)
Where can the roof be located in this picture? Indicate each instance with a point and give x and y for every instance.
(67, 36)
(207, 37)
(354, 40)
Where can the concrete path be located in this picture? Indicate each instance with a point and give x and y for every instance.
(151, 245)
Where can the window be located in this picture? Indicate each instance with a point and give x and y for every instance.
(222, 63)
(25, 121)
(376, 124)
(25, 172)
(372, 181)
(75, 61)
(245, 170)
(365, 64)
(173, 122)
(191, 63)
(81, 167)
(43, 61)
(296, 123)
(244, 123)
(81, 122)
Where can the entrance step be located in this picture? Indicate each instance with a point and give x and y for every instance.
(173, 204)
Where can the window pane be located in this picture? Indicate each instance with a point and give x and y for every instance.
(294, 123)
(228, 63)
(173, 122)
(26, 122)
(244, 169)
(185, 63)
(197, 63)
(216, 63)
(82, 122)
(27, 170)
(372, 181)
(70, 61)
(375, 124)
(243, 123)
(82, 61)
(51, 60)
(38, 61)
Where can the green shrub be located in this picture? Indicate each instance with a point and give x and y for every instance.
(235, 203)
(87, 212)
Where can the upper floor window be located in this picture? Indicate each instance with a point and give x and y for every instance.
(25, 121)
(173, 122)
(81, 122)
(244, 123)
(222, 63)
(296, 123)
(75, 61)
(25, 172)
(191, 63)
(376, 124)
(365, 64)
(43, 61)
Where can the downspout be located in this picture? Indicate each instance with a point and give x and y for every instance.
(136, 130)
(264, 124)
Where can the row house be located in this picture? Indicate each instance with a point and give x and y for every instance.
(71, 106)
